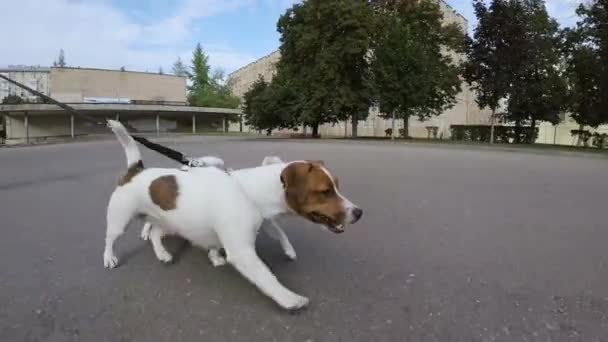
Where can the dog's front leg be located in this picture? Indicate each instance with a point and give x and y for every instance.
(241, 254)
(276, 232)
(156, 237)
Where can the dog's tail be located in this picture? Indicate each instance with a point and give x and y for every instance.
(131, 150)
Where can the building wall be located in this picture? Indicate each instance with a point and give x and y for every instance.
(560, 134)
(78, 85)
(242, 79)
(36, 78)
(465, 111)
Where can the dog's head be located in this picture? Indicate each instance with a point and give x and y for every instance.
(313, 193)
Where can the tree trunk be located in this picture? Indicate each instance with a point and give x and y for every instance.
(579, 140)
(492, 126)
(532, 138)
(304, 130)
(355, 125)
(315, 130)
(406, 127)
(346, 128)
(393, 127)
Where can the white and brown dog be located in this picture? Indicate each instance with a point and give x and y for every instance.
(274, 230)
(215, 209)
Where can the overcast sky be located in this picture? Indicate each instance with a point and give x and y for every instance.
(145, 35)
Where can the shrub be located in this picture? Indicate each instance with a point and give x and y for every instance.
(502, 134)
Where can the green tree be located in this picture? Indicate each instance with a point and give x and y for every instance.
(485, 69)
(208, 90)
(60, 62)
(179, 69)
(199, 75)
(537, 89)
(413, 73)
(12, 99)
(323, 54)
(587, 64)
(259, 107)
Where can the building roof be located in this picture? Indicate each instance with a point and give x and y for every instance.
(25, 68)
(118, 70)
(42, 109)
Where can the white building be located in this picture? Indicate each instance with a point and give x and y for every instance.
(35, 77)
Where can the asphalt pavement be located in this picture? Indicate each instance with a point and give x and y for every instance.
(455, 244)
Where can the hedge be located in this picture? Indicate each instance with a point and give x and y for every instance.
(502, 134)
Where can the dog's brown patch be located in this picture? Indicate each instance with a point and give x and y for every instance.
(132, 171)
(164, 192)
(310, 192)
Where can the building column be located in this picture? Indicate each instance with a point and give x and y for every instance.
(26, 123)
(157, 124)
(72, 126)
(193, 123)
(117, 117)
(224, 124)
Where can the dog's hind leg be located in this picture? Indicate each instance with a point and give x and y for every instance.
(276, 232)
(120, 211)
(145, 231)
(156, 237)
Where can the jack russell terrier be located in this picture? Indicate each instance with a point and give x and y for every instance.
(274, 231)
(214, 209)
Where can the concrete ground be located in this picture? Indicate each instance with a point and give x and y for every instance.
(456, 244)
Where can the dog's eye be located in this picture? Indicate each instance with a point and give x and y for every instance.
(326, 192)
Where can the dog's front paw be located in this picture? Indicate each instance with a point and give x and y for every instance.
(109, 260)
(290, 253)
(164, 256)
(296, 302)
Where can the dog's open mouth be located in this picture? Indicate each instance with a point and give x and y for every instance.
(329, 223)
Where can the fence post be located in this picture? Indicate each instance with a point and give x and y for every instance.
(72, 125)
(193, 123)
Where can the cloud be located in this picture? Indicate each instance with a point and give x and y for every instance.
(94, 33)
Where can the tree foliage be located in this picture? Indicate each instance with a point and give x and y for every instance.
(208, 90)
(60, 62)
(413, 71)
(537, 88)
(323, 49)
(587, 64)
(514, 56)
(12, 99)
(179, 68)
(266, 106)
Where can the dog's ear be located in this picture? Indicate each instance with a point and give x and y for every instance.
(318, 162)
(293, 178)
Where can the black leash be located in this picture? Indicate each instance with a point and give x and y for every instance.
(164, 150)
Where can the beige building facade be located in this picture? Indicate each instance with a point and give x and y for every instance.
(82, 85)
(145, 102)
(465, 111)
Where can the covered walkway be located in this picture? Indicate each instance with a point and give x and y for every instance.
(25, 123)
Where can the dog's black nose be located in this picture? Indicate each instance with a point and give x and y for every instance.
(357, 213)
